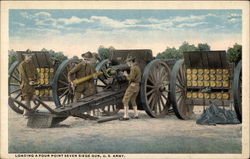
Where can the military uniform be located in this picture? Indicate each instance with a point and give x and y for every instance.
(133, 89)
(86, 88)
(28, 73)
(134, 85)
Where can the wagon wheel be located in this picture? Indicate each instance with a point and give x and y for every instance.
(102, 82)
(14, 90)
(62, 91)
(154, 92)
(178, 91)
(237, 90)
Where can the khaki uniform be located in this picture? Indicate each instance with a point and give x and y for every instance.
(134, 85)
(27, 73)
(86, 88)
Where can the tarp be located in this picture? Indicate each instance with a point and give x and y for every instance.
(214, 115)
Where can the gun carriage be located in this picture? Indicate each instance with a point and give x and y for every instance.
(202, 78)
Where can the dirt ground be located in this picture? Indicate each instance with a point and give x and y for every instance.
(144, 135)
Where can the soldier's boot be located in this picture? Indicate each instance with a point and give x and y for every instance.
(136, 116)
(125, 116)
(26, 112)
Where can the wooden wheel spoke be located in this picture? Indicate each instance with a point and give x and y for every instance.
(150, 92)
(63, 82)
(64, 93)
(62, 88)
(16, 90)
(18, 95)
(16, 78)
(14, 84)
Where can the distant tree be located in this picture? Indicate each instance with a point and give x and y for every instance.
(169, 53)
(75, 57)
(203, 47)
(103, 51)
(59, 56)
(12, 57)
(187, 47)
(235, 53)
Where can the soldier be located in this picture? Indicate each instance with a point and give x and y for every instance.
(84, 68)
(133, 89)
(29, 77)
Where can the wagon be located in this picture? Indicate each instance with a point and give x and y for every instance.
(202, 78)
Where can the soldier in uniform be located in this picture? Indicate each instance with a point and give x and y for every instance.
(133, 89)
(84, 68)
(29, 77)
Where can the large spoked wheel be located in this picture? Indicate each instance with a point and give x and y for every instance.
(178, 91)
(154, 91)
(62, 91)
(237, 90)
(102, 82)
(14, 89)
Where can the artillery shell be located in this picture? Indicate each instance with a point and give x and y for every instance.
(41, 92)
(189, 83)
(206, 95)
(41, 75)
(219, 71)
(46, 70)
(194, 83)
(225, 96)
(41, 81)
(200, 83)
(225, 83)
(206, 71)
(200, 77)
(189, 77)
(218, 84)
(46, 81)
(212, 83)
(200, 95)
(42, 70)
(51, 70)
(212, 95)
(200, 71)
(194, 95)
(46, 75)
(206, 83)
(189, 71)
(212, 77)
(189, 95)
(225, 71)
(194, 77)
(226, 77)
(212, 71)
(38, 70)
(219, 77)
(194, 71)
(50, 92)
(206, 77)
(37, 92)
(46, 92)
(218, 95)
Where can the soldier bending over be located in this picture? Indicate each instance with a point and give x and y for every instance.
(133, 89)
(84, 68)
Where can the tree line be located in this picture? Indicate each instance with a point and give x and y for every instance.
(234, 53)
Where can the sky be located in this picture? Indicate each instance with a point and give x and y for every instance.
(77, 31)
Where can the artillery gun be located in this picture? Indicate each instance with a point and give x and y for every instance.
(153, 96)
(204, 77)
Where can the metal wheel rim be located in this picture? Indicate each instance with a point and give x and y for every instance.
(61, 77)
(237, 90)
(154, 91)
(178, 89)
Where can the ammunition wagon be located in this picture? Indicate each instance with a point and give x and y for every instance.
(45, 68)
(204, 77)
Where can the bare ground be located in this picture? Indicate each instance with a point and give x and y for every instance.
(145, 135)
